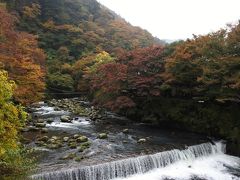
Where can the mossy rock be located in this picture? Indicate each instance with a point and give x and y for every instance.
(82, 148)
(65, 118)
(40, 125)
(66, 139)
(103, 136)
(40, 121)
(86, 144)
(72, 145)
(82, 139)
(75, 136)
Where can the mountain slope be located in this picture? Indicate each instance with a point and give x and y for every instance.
(83, 26)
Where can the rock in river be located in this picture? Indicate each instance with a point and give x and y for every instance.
(143, 140)
(82, 139)
(66, 139)
(102, 136)
(65, 118)
(44, 139)
(125, 130)
(40, 125)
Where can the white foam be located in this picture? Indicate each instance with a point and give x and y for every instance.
(46, 110)
(197, 160)
(62, 125)
(82, 122)
(74, 124)
(211, 168)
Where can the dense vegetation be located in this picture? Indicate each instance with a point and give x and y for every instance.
(70, 30)
(23, 61)
(12, 118)
(192, 84)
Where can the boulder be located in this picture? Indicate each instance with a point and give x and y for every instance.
(75, 136)
(142, 140)
(51, 141)
(86, 144)
(82, 139)
(65, 118)
(66, 139)
(102, 136)
(72, 145)
(50, 120)
(40, 121)
(126, 131)
(71, 140)
(44, 139)
(81, 148)
(57, 109)
(54, 137)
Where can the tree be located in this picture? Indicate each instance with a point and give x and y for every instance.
(145, 66)
(87, 66)
(186, 64)
(233, 40)
(32, 11)
(12, 118)
(107, 85)
(24, 61)
(60, 82)
(116, 85)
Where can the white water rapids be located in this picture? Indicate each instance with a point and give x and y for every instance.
(204, 161)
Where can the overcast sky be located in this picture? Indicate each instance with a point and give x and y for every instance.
(177, 19)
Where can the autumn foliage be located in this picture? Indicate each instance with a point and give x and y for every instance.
(12, 118)
(134, 74)
(206, 66)
(145, 66)
(21, 57)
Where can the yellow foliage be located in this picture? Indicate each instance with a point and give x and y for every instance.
(11, 117)
(32, 11)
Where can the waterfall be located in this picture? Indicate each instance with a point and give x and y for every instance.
(141, 164)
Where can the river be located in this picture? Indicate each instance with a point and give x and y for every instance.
(131, 150)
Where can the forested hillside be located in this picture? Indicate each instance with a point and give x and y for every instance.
(71, 29)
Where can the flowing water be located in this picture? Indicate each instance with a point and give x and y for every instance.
(167, 155)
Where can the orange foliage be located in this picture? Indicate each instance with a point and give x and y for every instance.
(21, 57)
